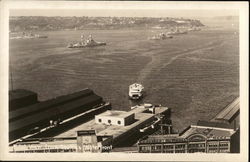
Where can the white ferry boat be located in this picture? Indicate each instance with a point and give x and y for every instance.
(135, 91)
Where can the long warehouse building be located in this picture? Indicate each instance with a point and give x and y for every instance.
(40, 115)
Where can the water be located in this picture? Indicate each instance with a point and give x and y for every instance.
(194, 74)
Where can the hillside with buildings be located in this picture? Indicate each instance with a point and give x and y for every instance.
(26, 23)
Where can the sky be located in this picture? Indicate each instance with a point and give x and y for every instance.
(185, 13)
(185, 9)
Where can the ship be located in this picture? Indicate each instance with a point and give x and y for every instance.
(177, 32)
(25, 35)
(90, 42)
(161, 36)
(135, 91)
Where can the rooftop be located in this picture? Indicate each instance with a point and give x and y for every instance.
(20, 93)
(214, 124)
(202, 128)
(102, 129)
(208, 132)
(229, 112)
(112, 113)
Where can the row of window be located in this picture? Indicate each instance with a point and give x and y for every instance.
(197, 145)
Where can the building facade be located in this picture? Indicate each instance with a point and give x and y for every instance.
(195, 138)
(85, 141)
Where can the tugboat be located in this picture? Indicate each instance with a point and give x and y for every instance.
(161, 36)
(135, 91)
(86, 43)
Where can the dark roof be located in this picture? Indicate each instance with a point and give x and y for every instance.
(82, 104)
(229, 112)
(214, 124)
(42, 106)
(20, 93)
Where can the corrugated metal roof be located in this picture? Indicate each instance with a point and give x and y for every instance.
(213, 124)
(228, 112)
(20, 93)
(42, 106)
(57, 110)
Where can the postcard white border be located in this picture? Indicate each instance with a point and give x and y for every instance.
(244, 64)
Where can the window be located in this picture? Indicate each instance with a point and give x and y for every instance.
(168, 147)
(100, 120)
(109, 121)
(119, 122)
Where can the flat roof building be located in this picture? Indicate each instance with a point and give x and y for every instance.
(120, 118)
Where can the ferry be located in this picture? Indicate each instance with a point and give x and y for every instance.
(135, 91)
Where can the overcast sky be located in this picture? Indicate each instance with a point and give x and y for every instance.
(191, 9)
(124, 12)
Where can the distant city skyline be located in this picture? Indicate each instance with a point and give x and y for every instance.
(185, 13)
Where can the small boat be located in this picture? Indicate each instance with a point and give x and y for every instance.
(135, 91)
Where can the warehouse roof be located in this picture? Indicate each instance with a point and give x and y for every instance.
(20, 93)
(229, 112)
(118, 114)
(214, 124)
(42, 106)
(208, 132)
(56, 110)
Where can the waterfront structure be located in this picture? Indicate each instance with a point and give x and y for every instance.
(120, 118)
(85, 141)
(220, 135)
(207, 137)
(142, 116)
(36, 117)
(110, 135)
(230, 114)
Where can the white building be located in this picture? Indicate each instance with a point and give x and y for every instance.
(120, 118)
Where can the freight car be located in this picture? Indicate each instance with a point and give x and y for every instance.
(32, 109)
(42, 119)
